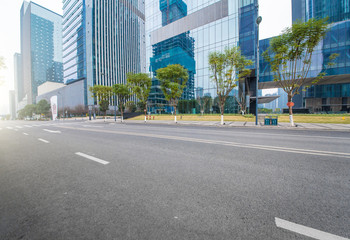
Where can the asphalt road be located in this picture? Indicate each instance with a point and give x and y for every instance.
(81, 180)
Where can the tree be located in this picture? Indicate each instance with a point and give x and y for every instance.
(227, 68)
(122, 92)
(173, 79)
(42, 107)
(102, 95)
(131, 106)
(290, 56)
(140, 84)
(27, 111)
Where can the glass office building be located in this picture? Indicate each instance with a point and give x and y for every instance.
(41, 48)
(185, 32)
(102, 41)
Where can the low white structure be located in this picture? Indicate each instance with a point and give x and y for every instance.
(49, 87)
(71, 95)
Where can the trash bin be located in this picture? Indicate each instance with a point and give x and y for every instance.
(274, 121)
(271, 120)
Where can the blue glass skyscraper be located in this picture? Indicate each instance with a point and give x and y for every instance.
(41, 48)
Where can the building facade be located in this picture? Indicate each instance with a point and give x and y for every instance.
(18, 81)
(41, 49)
(185, 32)
(102, 41)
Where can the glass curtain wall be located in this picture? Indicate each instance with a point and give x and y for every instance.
(41, 47)
(193, 34)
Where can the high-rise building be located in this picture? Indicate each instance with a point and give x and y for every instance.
(102, 41)
(185, 32)
(19, 86)
(41, 49)
(330, 97)
(12, 104)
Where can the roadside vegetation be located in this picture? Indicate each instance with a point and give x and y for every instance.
(299, 118)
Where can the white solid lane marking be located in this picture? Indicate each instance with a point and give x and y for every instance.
(9, 127)
(26, 134)
(306, 231)
(28, 126)
(19, 127)
(43, 140)
(225, 143)
(92, 158)
(51, 131)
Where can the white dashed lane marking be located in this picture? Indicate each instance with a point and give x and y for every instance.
(92, 158)
(43, 140)
(306, 231)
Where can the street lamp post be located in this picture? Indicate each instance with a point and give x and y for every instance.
(258, 21)
(62, 104)
(115, 108)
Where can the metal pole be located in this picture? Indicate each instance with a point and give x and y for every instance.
(258, 21)
(115, 108)
(257, 80)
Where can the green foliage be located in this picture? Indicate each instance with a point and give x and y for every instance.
(102, 94)
(122, 92)
(141, 106)
(140, 84)
(27, 111)
(42, 107)
(265, 110)
(292, 54)
(227, 68)
(173, 79)
(131, 106)
(104, 105)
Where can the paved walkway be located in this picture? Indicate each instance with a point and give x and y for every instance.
(314, 126)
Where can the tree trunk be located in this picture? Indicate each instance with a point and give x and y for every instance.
(121, 113)
(145, 114)
(222, 113)
(290, 97)
(175, 114)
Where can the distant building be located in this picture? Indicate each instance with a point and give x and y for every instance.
(102, 42)
(12, 101)
(41, 50)
(18, 77)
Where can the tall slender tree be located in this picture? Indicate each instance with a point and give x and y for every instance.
(290, 57)
(122, 91)
(102, 95)
(227, 68)
(140, 84)
(173, 79)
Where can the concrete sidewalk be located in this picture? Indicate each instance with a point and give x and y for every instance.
(283, 125)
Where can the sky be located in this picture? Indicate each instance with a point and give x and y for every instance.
(276, 16)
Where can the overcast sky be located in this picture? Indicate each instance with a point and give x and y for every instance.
(276, 16)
